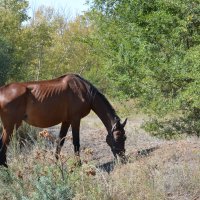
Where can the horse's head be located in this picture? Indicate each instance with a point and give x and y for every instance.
(116, 140)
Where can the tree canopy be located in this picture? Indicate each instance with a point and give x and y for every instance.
(152, 50)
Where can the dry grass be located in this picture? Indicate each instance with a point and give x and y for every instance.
(170, 171)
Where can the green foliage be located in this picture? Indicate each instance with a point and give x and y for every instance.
(13, 186)
(163, 129)
(29, 176)
(175, 127)
(17, 7)
(49, 189)
(52, 46)
(152, 50)
(5, 60)
(45, 46)
(141, 49)
(12, 15)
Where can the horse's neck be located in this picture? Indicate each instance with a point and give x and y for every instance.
(104, 111)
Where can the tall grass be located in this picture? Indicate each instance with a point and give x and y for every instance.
(33, 172)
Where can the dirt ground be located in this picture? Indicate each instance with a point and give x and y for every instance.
(138, 143)
(157, 168)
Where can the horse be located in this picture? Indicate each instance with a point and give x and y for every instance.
(66, 100)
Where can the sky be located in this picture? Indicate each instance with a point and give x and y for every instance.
(74, 7)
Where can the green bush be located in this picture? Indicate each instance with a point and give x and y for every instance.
(49, 189)
(34, 173)
(187, 124)
(14, 186)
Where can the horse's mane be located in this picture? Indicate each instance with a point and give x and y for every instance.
(94, 91)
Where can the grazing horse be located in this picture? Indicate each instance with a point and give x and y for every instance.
(63, 100)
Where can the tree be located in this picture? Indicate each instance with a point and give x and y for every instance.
(5, 60)
(151, 50)
(12, 15)
(55, 45)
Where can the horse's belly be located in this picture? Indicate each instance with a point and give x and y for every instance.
(45, 116)
(41, 123)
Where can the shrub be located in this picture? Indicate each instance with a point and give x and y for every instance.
(175, 127)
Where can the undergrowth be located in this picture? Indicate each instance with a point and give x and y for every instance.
(34, 174)
(175, 127)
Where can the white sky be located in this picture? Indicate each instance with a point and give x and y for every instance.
(74, 7)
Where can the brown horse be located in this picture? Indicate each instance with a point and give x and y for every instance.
(64, 100)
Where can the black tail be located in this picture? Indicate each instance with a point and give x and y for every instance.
(3, 154)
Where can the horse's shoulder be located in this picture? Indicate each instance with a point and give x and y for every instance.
(77, 86)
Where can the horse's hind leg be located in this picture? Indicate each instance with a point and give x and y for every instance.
(8, 129)
(4, 142)
(62, 134)
(76, 139)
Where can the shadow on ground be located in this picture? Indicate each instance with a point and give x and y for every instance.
(109, 166)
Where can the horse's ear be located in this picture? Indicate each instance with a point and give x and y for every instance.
(117, 123)
(124, 123)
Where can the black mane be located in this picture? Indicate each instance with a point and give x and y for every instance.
(94, 91)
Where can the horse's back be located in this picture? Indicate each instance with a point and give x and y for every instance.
(46, 103)
(57, 100)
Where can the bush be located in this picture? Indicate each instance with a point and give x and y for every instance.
(14, 185)
(49, 189)
(175, 127)
(34, 173)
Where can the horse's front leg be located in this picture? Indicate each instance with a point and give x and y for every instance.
(76, 139)
(62, 135)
